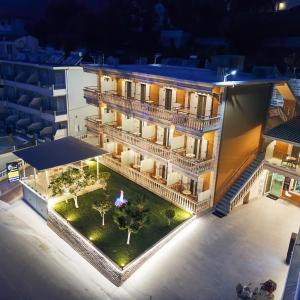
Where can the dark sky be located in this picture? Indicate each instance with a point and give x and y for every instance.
(32, 8)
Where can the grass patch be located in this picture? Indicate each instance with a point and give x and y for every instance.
(109, 238)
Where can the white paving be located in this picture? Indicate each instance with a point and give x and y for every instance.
(205, 261)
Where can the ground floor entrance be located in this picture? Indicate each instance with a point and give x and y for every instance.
(280, 186)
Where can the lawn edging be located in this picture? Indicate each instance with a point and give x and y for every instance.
(96, 257)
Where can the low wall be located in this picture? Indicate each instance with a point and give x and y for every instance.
(97, 258)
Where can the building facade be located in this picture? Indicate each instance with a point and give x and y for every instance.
(179, 132)
(43, 101)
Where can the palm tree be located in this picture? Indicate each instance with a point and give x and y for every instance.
(131, 218)
(103, 206)
(170, 214)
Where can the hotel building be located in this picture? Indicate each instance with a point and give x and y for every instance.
(182, 133)
(41, 96)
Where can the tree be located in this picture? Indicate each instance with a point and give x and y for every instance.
(132, 218)
(170, 214)
(103, 206)
(73, 180)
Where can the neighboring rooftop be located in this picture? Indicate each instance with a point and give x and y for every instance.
(57, 153)
(288, 131)
(195, 75)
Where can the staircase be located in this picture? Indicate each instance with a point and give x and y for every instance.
(240, 187)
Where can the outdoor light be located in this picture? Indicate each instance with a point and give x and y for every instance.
(233, 72)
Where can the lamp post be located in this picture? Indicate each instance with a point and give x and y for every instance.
(233, 72)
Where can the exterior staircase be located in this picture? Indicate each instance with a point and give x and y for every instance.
(240, 187)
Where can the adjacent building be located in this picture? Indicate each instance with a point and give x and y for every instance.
(41, 95)
(182, 133)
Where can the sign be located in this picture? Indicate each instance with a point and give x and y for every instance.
(13, 171)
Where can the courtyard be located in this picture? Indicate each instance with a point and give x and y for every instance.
(205, 261)
(109, 238)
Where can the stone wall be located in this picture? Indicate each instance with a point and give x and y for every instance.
(97, 258)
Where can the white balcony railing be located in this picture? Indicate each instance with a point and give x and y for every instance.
(156, 187)
(182, 120)
(191, 165)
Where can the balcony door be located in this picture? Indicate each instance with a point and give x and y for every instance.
(168, 99)
(128, 89)
(201, 107)
(143, 92)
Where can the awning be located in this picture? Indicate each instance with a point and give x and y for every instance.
(288, 132)
(35, 102)
(23, 99)
(57, 153)
(23, 123)
(35, 127)
(12, 118)
(47, 131)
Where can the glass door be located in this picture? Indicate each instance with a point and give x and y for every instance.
(277, 185)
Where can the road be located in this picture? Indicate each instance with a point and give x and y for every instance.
(205, 261)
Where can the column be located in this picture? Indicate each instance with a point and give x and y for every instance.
(97, 161)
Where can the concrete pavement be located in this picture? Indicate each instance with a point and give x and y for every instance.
(205, 261)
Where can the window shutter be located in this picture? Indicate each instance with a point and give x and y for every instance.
(138, 91)
(204, 146)
(208, 106)
(123, 88)
(162, 93)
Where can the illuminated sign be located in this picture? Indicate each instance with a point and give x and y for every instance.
(13, 171)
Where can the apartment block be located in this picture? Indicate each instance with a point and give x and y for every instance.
(183, 133)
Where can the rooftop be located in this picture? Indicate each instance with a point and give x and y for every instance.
(288, 131)
(193, 75)
(57, 153)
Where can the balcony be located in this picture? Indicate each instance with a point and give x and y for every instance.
(43, 113)
(159, 188)
(183, 120)
(91, 95)
(190, 164)
(135, 141)
(185, 162)
(277, 159)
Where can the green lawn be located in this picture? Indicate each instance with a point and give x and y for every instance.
(109, 238)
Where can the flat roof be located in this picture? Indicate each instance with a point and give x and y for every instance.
(288, 131)
(193, 75)
(57, 153)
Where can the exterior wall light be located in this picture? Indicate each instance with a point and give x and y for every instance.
(233, 72)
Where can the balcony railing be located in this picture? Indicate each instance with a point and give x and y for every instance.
(182, 120)
(134, 140)
(188, 164)
(91, 95)
(191, 164)
(155, 186)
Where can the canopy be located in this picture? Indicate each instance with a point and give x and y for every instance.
(35, 127)
(287, 132)
(23, 123)
(59, 152)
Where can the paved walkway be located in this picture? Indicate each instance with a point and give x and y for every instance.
(205, 261)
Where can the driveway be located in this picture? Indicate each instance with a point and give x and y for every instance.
(205, 261)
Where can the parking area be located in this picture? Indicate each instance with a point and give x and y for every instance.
(205, 261)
